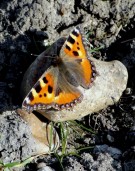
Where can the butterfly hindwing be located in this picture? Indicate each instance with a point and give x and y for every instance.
(66, 95)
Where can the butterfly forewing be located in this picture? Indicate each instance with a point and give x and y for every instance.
(74, 48)
(43, 93)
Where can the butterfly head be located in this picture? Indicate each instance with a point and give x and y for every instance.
(57, 61)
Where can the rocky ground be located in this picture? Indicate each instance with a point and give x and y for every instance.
(26, 28)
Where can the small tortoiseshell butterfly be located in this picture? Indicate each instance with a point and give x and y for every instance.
(57, 87)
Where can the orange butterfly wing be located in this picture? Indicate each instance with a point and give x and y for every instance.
(46, 93)
(74, 48)
(41, 93)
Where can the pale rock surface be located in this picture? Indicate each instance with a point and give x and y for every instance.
(17, 142)
(41, 133)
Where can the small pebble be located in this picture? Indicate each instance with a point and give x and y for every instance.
(128, 91)
(110, 138)
(45, 168)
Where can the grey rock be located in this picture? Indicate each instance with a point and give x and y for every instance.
(105, 159)
(114, 152)
(106, 162)
(110, 138)
(73, 165)
(45, 168)
(16, 140)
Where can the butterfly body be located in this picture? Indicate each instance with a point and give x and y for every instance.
(57, 87)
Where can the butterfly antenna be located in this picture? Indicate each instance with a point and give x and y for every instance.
(51, 56)
(45, 55)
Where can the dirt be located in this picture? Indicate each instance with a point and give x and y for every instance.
(26, 27)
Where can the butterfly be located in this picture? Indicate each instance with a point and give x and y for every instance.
(57, 88)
